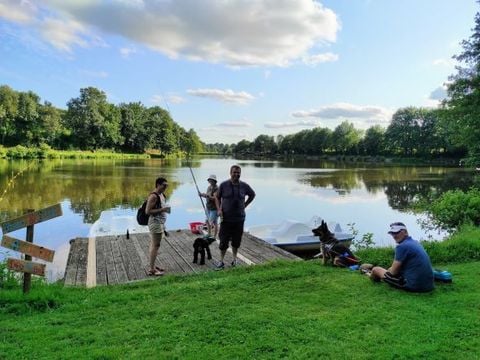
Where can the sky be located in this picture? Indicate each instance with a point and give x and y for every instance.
(235, 69)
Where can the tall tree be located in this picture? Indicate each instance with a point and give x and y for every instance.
(132, 127)
(94, 122)
(463, 102)
(403, 133)
(27, 122)
(374, 140)
(8, 113)
(346, 138)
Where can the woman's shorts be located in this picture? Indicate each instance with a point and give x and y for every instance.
(212, 216)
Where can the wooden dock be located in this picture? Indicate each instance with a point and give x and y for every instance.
(116, 260)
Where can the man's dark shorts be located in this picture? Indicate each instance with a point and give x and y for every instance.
(230, 232)
(395, 281)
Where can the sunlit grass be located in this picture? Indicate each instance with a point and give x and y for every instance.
(283, 309)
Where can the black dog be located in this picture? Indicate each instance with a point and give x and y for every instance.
(200, 245)
(332, 249)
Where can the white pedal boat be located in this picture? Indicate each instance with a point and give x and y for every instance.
(295, 236)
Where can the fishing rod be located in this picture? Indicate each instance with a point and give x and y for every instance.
(198, 190)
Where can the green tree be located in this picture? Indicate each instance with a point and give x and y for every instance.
(191, 143)
(161, 127)
(403, 133)
(244, 146)
(51, 126)
(94, 122)
(8, 113)
(27, 122)
(346, 138)
(463, 102)
(264, 144)
(374, 140)
(132, 127)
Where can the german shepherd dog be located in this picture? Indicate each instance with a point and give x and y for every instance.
(200, 245)
(332, 249)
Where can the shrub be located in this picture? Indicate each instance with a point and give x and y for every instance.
(455, 208)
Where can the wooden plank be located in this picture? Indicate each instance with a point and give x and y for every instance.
(144, 262)
(134, 258)
(183, 252)
(71, 269)
(111, 273)
(118, 261)
(127, 258)
(29, 267)
(32, 218)
(82, 249)
(91, 280)
(27, 248)
(101, 262)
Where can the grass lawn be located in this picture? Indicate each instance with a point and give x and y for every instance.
(299, 310)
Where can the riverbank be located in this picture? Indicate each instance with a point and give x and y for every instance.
(297, 309)
(45, 152)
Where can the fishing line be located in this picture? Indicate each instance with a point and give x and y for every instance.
(11, 182)
(189, 164)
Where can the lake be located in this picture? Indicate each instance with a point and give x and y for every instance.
(370, 196)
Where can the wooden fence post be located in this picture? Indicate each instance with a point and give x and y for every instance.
(27, 277)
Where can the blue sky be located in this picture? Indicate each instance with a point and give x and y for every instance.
(232, 70)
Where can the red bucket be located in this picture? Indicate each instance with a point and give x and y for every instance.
(196, 227)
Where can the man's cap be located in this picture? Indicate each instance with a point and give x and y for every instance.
(396, 227)
(212, 177)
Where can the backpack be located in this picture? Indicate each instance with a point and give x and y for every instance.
(142, 217)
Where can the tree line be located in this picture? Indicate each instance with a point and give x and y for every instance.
(90, 122)
(412, 132)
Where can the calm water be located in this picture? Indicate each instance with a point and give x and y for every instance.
(370, 196)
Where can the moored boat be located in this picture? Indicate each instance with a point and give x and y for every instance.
(297, 237)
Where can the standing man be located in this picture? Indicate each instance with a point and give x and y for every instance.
(212, 215)
(231, 204)
(157, 210)
(411, 269)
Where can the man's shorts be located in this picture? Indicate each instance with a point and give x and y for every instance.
(230, 232)
(395, 281)
(212, 216)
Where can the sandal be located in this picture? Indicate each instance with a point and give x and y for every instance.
(155, 273)
(159, 269)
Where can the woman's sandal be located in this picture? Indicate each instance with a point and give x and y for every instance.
(155, 272)
(159, 269)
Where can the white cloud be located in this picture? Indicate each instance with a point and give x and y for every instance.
(175, 99)
(157, 99)
(235, 32)
(443, 62)
(17, 11)
(345, 110)
(320, 58)
(126, 52)
(237, 124)
(227, 96)
(63, 34)
(288, 124)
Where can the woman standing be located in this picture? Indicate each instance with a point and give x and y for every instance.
(157, 209)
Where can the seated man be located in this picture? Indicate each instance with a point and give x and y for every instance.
(411, 269)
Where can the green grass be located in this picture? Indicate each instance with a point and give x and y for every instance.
(280, 310)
